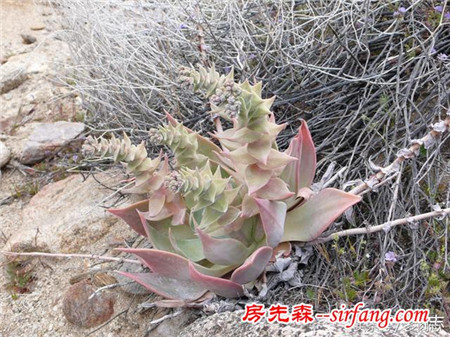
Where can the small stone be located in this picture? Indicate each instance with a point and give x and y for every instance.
(28, 39)
(37, 26)
(48, 137)
(5, 154)
(84, 312)
(12, 74)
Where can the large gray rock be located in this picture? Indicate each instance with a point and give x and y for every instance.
(67, 213)
(5, 154)
(12, 74)
(46, 138)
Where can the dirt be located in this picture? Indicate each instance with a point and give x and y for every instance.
(32, 291)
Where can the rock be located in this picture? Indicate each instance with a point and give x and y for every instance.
(87, 312)
(12, 74)
(68, 215)
(37, 26)
(230, 324)
(5, 154)
(28, 39)
(46, 138)
(173, 326)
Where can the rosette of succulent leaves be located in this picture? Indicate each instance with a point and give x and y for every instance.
(217, 215)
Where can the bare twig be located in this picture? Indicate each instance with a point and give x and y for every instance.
(69, 256)
(372, 229)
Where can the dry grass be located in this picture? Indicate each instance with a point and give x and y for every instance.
(366, 80)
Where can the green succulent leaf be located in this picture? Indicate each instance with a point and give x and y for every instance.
(225, 251)
(253, 266)
(273, 215)
(309, 220)
(300, 173)
(185, 290)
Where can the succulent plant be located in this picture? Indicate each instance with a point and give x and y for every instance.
(217, 218)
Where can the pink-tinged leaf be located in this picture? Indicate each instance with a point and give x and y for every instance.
(219, 286)
(224, 252)
(277, 160)
(156, 203)
(275, 189)
(301, 173)
(130, 215)
(273, 215)
(240, 156)
(174, 289)
(157, 233)
(243, 135)
(161, 262)
(260, 149)
(253, 266)
(256, 178)
(249, 207)
(305, 193)
(157, 261)
(190, 248)
(284, 249)
(308, 221)
(229, 217)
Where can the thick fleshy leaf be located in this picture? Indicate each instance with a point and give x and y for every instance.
(156, 203)
(161, 262)
(249, 207)
(256, 178)
(185, 290)
(130, 215)
(229, 217)
(158, 261)
(284, 249)
(157, 236)
(309, 220)
(277, 160)
(300, 173)
(273, 215)
(223, 251)
(205, 146)
(190, 248)
(275, 189)
(219, 286)
(253, 266)
(260, 149)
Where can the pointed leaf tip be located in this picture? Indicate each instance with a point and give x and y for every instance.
(253, 266)
(130, 215)
(217, 285)
(273, 215)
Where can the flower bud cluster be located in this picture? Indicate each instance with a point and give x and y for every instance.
(185, 79)
(174, 182)
(227, 97)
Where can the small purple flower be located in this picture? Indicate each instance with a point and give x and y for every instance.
(227, 69)
(252, 56)
(438, 9)
(75, 157)
(390, 256)
(433, 51)
(447, 16)
(399, 12)
(442, 57)
(183, 26)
